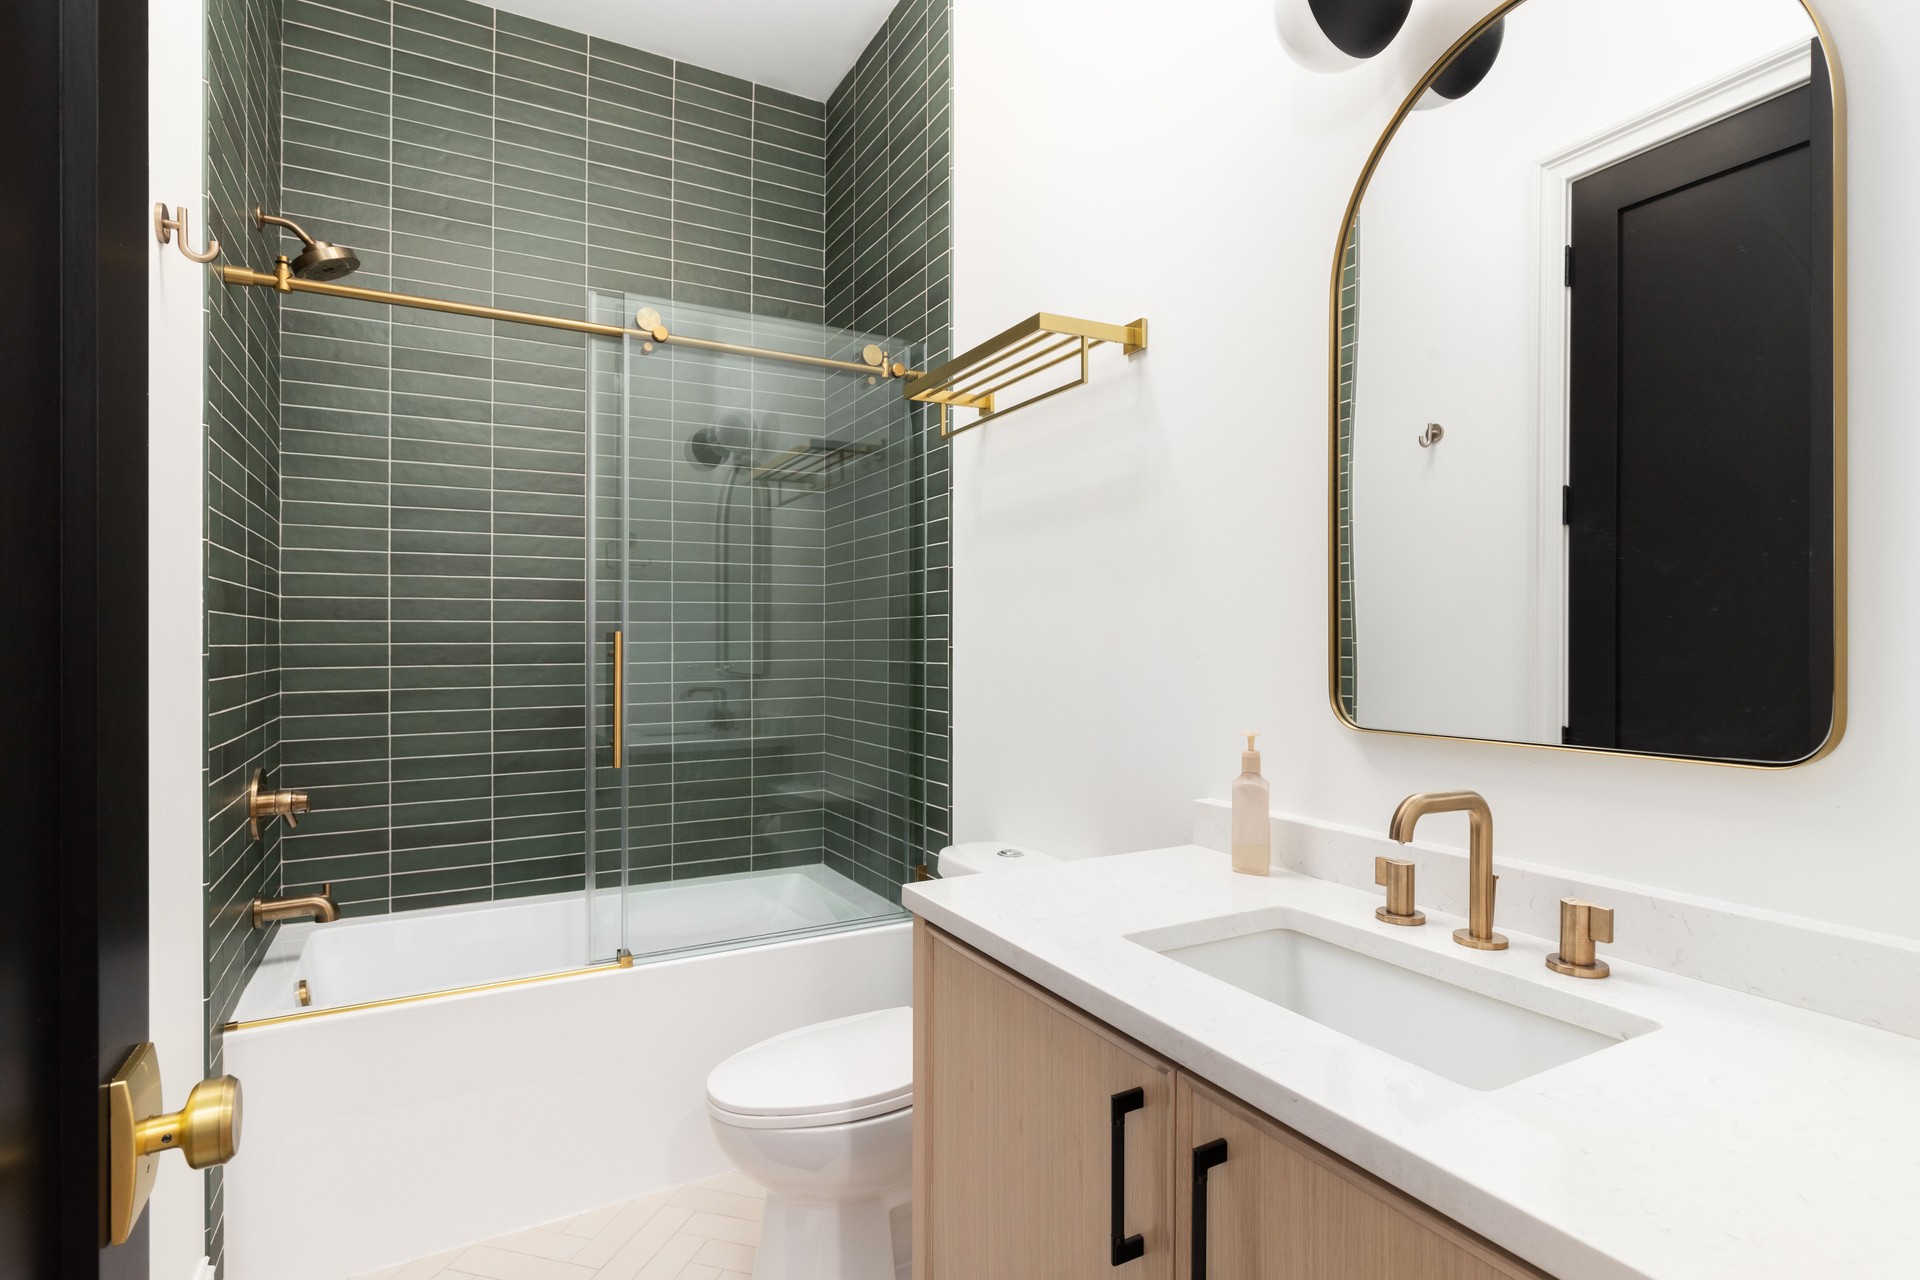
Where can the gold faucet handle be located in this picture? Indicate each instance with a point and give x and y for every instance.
(263, 804)
(1397, 875)
(1599, 923)
(1581, 925)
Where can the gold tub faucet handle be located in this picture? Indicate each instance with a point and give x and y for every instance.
(264, 805)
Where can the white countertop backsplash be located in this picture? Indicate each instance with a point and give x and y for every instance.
(1743, 1139)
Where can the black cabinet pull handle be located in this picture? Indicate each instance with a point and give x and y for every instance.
(1125, 1247)
(1205, 1157)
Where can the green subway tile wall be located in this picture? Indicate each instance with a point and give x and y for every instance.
(889, 270)
(435, 685)
(1348, 674)
(396, 514)
(241, 655)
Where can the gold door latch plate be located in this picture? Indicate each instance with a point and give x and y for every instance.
(206, 1131)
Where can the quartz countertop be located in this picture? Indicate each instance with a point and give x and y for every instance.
(1737, 1138)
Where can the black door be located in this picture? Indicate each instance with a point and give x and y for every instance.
(1700, 605)
(73, 698)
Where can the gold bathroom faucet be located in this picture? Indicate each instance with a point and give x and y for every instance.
(1481, 881)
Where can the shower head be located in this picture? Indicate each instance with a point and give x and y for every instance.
(323, 261)
(319, 260)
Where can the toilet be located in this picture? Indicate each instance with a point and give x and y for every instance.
(822, 1117)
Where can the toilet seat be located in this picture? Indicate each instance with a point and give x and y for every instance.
(830, 1073)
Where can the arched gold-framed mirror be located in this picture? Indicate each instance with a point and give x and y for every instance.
(1587, 390)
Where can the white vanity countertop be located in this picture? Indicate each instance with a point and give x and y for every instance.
(1741, 1139)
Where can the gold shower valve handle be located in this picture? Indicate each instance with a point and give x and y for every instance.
(263, 804)
(1397, 875)
(1581, 925)
(206, 1131)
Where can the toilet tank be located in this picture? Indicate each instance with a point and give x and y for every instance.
(978, 857)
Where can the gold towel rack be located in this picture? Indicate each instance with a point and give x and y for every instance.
(1039, 343)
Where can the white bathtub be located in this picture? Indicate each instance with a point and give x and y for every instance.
(380, 957)
(380, 1134)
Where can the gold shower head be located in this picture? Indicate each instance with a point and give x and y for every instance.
(320, 260)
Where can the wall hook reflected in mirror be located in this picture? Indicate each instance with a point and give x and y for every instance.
(1432, 436)
(164, 228)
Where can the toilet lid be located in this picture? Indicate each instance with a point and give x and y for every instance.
(847, 1069)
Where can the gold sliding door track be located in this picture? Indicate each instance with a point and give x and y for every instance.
(648, 326)
(975, 381)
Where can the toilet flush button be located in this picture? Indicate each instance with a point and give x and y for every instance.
(1013, 853)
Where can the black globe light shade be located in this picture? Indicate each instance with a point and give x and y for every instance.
(1464, 74)
(1338, 35)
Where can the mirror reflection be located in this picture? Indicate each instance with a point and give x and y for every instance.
(1585, 427)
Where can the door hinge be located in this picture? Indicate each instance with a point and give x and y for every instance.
(1566, 504)
(1569, 266)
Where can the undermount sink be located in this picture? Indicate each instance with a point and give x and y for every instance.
(1475, 1040)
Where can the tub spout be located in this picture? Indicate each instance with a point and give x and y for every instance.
(319, 906)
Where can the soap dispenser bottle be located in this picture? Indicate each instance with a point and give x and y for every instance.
(1252, 826)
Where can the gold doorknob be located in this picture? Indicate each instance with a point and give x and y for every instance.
(206, 1131)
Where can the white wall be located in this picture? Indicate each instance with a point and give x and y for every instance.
(1140, 565)
(176, 357)
(1447, 540)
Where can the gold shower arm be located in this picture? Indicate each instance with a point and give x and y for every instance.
(262, 219)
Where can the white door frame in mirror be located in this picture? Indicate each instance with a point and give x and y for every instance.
(1763, 80)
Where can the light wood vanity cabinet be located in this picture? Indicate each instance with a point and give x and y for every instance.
(1014, 1140)
(1279, 1207)
(1013, 1158)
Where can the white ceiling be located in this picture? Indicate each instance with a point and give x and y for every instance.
(803, 46)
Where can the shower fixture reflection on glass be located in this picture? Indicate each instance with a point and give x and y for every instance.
(319, 260)
(729, 444)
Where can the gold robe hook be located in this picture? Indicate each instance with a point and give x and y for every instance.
(164, 227)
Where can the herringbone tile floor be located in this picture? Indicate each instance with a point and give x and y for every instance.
(705, 1231)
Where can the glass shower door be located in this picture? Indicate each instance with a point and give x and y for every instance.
(756, 633)
(607, 661)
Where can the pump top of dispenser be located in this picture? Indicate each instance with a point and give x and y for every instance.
(1250, 758)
